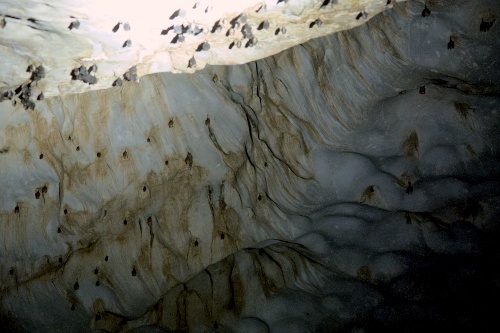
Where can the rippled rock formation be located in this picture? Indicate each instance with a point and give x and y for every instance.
(153, 36)
(349, 183)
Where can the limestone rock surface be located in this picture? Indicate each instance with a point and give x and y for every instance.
(347, 184)
(155, 36)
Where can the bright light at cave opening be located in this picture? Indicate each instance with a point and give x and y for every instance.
(148, 12)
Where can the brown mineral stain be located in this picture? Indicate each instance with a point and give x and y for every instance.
(168, 267)
(237, 300)
(269, 286)
(289, 145)
(470, 149)
(194, 255)
(18, 136)
(411, 145)
(100, 169)
(364, 273)
(145, 260)
(71, 296)
(463, 109)
(354, 53)
(295, 151)
(82, 128)
(48, 138)
(368, 194)
(98, 305)
(79, 221)
(196, 311)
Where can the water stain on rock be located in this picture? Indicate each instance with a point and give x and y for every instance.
(411, 145)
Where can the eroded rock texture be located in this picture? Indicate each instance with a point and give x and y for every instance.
(350, 183)
(66, 38)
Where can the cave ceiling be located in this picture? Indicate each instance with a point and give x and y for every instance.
(251, 166)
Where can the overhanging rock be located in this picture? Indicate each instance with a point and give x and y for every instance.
(153, 36)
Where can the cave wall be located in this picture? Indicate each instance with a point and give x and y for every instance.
(330, 187)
